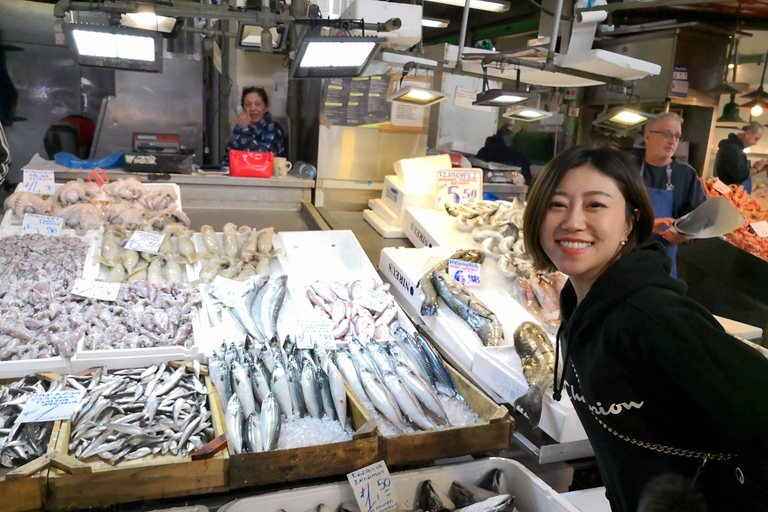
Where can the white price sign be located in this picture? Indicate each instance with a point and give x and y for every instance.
(99, 290)
(466, 273)
(458, 186)
(761, 228)
(144, 241)
(373, 488)
(315, 333)
(53, 406)
(38, 182)
(721, 187)
(374, 300)
(34, 224)
(228, 291)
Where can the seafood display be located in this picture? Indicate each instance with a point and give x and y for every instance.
(22, 442)
(131, 414)
(341, 303)
(85, 206)
(538, 359)
(405, 382)
(57, 261)
(275, 394)
(241, 253)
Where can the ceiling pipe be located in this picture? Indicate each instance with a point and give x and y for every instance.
(555, 30)
(463, 34)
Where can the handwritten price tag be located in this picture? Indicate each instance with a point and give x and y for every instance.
(228, 291)
(466, 273)
(144, 241)
(721, 187)
(459, 186)
(38, 182)
(98, 290)
(373, 488)
(58, 405)
(374, 300)
(34, 224)
(315, 333)
(761, 228)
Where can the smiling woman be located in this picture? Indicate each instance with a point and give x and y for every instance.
(255, 129)
(645, 366)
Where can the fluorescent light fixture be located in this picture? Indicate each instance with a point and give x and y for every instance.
(434, 23)
(249, 36)
(481, 5)
(334, 57)
(621, 119)
(500, 98)
(526, 114)
(417, 96)
(148, 21)
(116, 47)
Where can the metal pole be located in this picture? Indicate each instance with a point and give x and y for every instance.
(555, 30)
(463, 35)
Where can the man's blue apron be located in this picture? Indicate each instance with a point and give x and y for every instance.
(662, 201)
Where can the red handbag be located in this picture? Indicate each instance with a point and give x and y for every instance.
(249, 164)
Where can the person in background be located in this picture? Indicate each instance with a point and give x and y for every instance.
(496, 150)
(657, 383)
(731, 164)
(5, 155)
(674, 187)
(72, 134)
(255, 129)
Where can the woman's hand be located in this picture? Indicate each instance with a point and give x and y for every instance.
(660, 225)
(243, 120)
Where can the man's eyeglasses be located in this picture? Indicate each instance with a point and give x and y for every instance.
(669, 135)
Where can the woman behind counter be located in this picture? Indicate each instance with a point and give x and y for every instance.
(255, 129)
(658, 385)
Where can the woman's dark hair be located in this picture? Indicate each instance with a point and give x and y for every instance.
(258, 90)
(608, 161)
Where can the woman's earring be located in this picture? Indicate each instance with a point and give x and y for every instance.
(623, 242)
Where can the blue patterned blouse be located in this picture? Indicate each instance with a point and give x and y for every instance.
(266, 136)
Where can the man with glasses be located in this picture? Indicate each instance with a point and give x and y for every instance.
(674, 187)
(731, 163)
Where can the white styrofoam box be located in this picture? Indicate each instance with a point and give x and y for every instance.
(426, 227)
(418, 174)
(381, 226)
(603, 62)
(384, 212)
(588, 500)
(410, 15)
(10, 227)
(735, 328)
(530, 492)
(558, 419)
(24, 367)
(397, 197)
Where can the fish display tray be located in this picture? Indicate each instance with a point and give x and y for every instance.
(148, 478)
(492, 435)
(530, 492)
(293, 465)
(197, 240)
(426, 227)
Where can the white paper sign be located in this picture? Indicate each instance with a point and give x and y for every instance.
(38, 182)
(464, 98)
(99, 290)
(459, 186)
(228, 291)
(404, 114)
(374, 300)
(373, 488)
(315, 333)
(57, 405)
(34, 224)
(761, 228)
(721, 187)
(466, 273)
(144, 241)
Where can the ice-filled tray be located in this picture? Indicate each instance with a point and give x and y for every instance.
(530, 492)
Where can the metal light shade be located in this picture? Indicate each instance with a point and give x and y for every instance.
(757, 93)
(417, 96)
(761, 102)
(500, 98)
(731, 114)
(116, 47)
(526, 114)
(249, 37)
(724, 88)
(334, 57)
(622, 119)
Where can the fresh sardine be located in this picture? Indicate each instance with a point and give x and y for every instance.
(253, 433)
(270, 423)
(406, 401)
(234, 421)
(381, 398)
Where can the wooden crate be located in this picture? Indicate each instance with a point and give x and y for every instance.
(251, 469)
(143, 479)
(493, 435)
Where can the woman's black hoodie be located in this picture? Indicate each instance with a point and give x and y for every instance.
(656, 367)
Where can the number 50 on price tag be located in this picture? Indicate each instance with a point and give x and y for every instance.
(373, 488)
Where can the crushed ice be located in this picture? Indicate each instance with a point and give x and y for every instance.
(459, 414)
(311, 431)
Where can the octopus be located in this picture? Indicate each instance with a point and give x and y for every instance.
(166, 217)
(126, 215)
(25, 202)
(82, 217)
(77, 191)
(130, 189)
(158, 199)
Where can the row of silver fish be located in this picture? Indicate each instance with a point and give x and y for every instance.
(130, 414)
(258, 386)
(22, 442)
(400, 380)
(254, 312)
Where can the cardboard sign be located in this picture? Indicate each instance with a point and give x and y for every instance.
(374, 300)
(57, 405)
(34, 224)
(761, 228)
(373, 488)
(99, 290)
(38, 182)
(144, 241)
(466, 273)
(315, 333)
(459, 186)
(721, 187)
